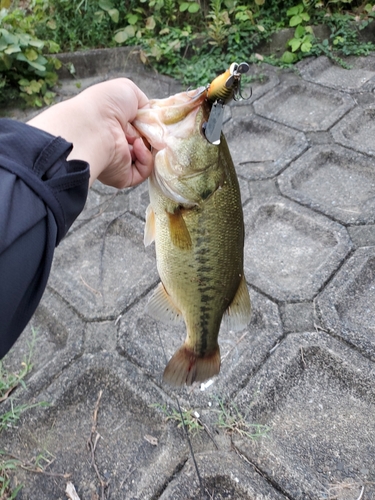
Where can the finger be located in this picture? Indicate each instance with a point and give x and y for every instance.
(143, 163)
(131, 133)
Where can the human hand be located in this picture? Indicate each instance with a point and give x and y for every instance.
(98, 124)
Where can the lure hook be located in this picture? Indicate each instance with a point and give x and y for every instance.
(220, 91)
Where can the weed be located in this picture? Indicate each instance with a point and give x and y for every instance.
(190, 418)
(9, 381)
(233, 422)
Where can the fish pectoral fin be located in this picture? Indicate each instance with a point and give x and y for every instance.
(178, 230)
(149, 235)
(161, 306)
(186, 367)
(237, 316)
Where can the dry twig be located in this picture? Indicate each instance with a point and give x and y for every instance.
(92, 444)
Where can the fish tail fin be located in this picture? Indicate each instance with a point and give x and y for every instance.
(186, 366)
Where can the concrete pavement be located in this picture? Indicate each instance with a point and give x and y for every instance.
(302, 374)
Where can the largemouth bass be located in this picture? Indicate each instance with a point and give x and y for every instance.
(195, 218)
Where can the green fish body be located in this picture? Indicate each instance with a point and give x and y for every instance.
(195, 218)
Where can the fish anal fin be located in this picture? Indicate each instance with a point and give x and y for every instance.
(178, 230)
(149, 235)
(161, 306)
(237, 316)
(187, 367)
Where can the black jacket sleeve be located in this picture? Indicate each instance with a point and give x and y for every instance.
(41, 194)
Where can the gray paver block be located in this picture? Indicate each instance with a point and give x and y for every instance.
(304, 106)
(334, 180)
(139, 200)
(103, 268)
(260, 148)
(101, 201)
(134, 467)
(362, 236)
(324, 71)
(242, 352)
(347, 304)
(357, 129)
(290, 251)
(298, 317)
(58, 340)
(317, 397)
(224, 476)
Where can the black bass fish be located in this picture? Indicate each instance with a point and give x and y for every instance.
(195, 218)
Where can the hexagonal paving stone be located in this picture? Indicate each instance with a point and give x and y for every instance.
(357, 130)
(102, 268)
(334, 180)
(324, 71)
(347, 304)
(54, 336)
(144, 341)
(136, 451)
(224, 476)
(102, 199)
(304, 106)
(290, 251)
(317, 397)
(261, 148)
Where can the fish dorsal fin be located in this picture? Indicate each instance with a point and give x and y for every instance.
(178, 230)
(237, 316)
(149, 235)
(161, 307)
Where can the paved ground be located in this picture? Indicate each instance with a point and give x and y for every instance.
(302, 375)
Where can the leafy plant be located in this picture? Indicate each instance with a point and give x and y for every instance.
(25, 69)
(303, 35)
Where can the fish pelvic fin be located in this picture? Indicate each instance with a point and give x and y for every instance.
(237, 316)
(149, 234)
(186, 367)
(178, 230)
(161, 307)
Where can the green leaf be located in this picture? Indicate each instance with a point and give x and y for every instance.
(294, 10)
(123, 35)
(114, 15)
(288, 57)
(184, 6)
(295, 20)
(39, 44)
(12, 49)
(299, 32)
(132, 19)
(295, 44)
(31, 54)
(306, 46)
(106, 5)
(38, 66)
(193, 8)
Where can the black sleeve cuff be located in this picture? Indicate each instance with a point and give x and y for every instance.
(39, 160)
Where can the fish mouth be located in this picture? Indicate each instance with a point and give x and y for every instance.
(173, 116)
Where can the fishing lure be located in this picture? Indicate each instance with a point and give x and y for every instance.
(220, 91)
